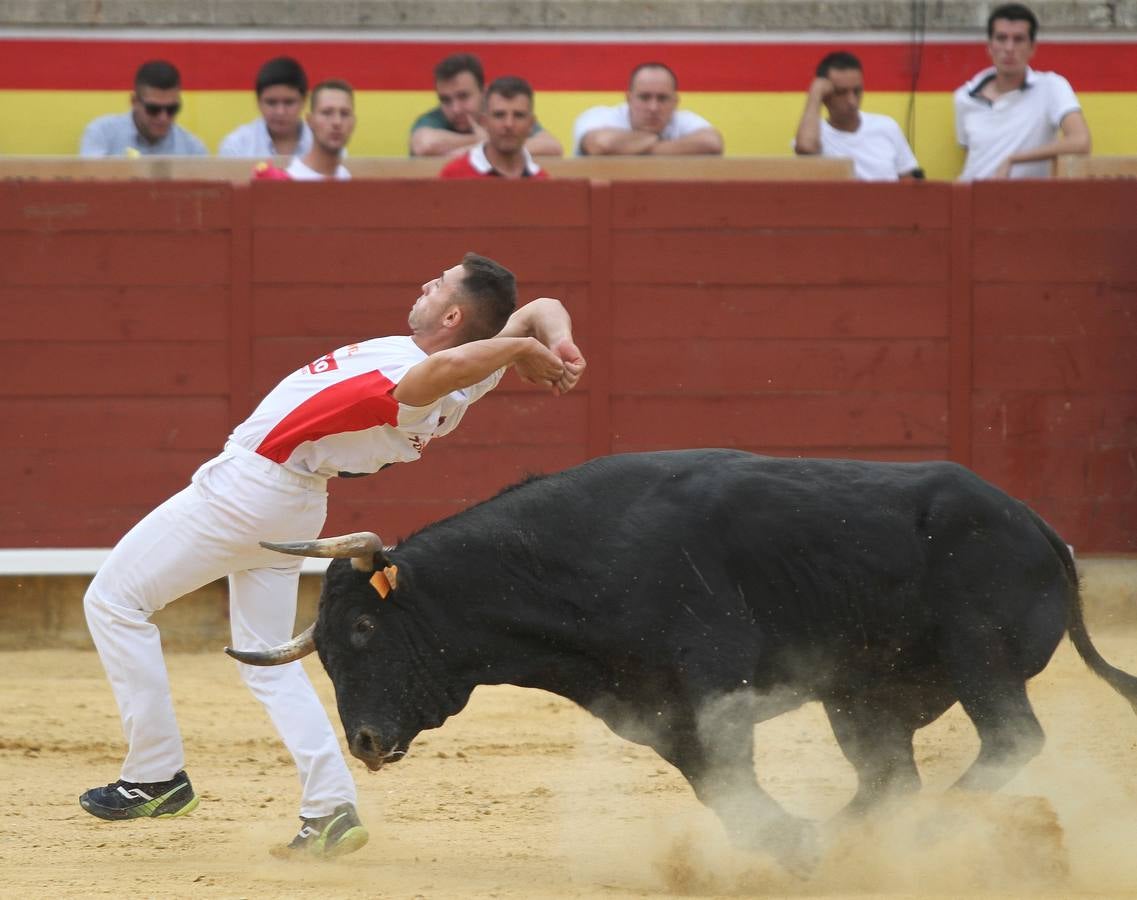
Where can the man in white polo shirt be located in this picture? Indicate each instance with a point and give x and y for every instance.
(874, 142)
(650, 123)
(1012, 120)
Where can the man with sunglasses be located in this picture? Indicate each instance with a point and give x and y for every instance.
(149, 128)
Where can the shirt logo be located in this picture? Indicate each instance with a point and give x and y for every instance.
(326, 363)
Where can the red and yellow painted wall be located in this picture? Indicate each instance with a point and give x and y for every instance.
(753, 90)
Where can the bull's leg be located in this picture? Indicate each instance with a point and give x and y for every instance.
(878, 743)
(716, 756)
(993, 694)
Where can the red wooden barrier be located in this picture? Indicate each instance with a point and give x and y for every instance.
(995, 324)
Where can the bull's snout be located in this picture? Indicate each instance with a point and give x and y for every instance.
(367, 746)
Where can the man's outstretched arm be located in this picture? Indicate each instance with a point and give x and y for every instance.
(460, 367)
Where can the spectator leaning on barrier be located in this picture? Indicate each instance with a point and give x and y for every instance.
(281, 87)
(1008, 117)
(149, 127)
(507, 119)
(649, 123)
(454, 125)
(874, 142)
(332, 121)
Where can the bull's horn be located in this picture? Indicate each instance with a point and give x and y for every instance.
(360, 546)
(297, 648)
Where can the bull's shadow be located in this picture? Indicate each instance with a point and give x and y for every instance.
(684, 596)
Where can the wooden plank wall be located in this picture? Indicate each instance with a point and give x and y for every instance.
(1055, 343)
(114, 305)
(993, 323)
(811, 321)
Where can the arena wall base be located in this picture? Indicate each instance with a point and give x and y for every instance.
(46, 611)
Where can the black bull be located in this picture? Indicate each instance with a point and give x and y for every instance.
(683, 596)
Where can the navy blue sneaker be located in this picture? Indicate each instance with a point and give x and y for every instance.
(131, 800)
(326, 837)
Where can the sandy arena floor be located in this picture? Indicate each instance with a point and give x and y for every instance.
(525, 796)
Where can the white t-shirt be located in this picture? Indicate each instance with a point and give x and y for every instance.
(300, 172)
(878, 148)
(682, 123)
(1018, 120)
(253, 139)
(338, 413)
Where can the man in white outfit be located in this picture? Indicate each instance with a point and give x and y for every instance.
(874, 142)
(352, 411)
(331, 119)
(649, 124)
(1012, 120)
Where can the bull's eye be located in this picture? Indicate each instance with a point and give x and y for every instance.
(361, 630)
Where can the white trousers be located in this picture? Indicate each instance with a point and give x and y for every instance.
(207, 531)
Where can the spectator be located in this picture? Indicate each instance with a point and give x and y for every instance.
(507, 120)
(1008, 116)
(332, 120)
(649, 123)
(874, 142)
(281, 87)
(149, 127)
(452, 127)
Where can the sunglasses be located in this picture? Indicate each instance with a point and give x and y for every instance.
(170, 109)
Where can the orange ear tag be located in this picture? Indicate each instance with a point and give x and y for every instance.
(385, 580)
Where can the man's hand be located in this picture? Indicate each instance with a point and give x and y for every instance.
(1004, 170)
(540, 365)
(574, 364)
(821, 88)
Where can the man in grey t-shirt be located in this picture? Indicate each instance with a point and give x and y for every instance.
(149, 127)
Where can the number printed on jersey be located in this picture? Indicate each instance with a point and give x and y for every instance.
(326, 363)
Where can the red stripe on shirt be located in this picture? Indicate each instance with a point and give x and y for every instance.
(356, 404)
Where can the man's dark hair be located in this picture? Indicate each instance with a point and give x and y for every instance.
(654, 65)
(282, 70)
(157, 74)
(839, 59)
(492, 291)
(1014, 12)
(455, 65)
(331, 84)
(510, 86)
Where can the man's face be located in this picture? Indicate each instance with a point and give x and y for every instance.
(652, 100)
(508, 122)
(1010, 46)
(844, 104)
(281, 105)
(437, 297)
(460, 99)
(332, 119)
(154, 110)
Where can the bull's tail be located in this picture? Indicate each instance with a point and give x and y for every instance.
(1121, 681)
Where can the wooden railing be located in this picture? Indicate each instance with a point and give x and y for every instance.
(1096, 167)
(622, 168)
